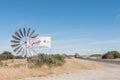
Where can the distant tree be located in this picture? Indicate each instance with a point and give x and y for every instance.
(95, 55)
(111, 55)
(76, 55)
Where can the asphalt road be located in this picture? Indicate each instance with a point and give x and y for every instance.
(104, 61)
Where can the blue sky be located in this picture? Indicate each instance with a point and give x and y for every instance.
(76, 26)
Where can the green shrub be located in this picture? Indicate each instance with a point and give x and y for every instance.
(47, 59)
(58, 59)
(111, 55)
(6, 55)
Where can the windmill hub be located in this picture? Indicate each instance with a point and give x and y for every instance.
(25, 42)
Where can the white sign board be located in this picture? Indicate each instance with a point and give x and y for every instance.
(39, 42)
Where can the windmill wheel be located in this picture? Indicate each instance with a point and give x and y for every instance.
(19, 42)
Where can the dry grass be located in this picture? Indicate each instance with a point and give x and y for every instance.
(71, 65)
(118, 59)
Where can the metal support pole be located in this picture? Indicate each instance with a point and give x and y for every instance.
(26, 54)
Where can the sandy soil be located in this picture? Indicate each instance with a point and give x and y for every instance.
(110, 72)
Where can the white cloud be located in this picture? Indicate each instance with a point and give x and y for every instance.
(104, 42)
(85, 46)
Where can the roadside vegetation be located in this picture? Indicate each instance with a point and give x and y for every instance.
(95, 55)
(111, 55)
(47, 59)
(107, 55)
(51, 60)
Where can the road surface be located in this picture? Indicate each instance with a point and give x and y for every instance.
(104, 61)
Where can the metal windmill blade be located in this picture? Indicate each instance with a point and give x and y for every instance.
(34, 36)
(24, 32)
(15, 45)
(14, 41)
(19, 50)
(21, 33)
(31, 33)
(16, 49)
(15, 38)
(28, 32)
(19, 42)
(17, 34)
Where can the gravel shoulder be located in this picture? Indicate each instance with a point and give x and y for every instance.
(110, 72)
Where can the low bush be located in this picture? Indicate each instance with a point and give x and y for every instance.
(111, 55)
(6, 55)
(47, 59)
